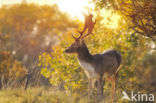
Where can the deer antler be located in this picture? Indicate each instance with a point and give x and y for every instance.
(90, 28)
(88, 24)
(77, 38)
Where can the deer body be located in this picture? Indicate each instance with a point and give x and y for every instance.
(99, 64)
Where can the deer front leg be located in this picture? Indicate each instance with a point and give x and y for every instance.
(100, 87)
(90, 88)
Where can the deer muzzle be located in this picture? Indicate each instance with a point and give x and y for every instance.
(68, 50)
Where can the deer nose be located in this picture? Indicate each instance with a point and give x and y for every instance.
(66, 51)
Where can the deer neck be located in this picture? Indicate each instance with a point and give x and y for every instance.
(84, 55)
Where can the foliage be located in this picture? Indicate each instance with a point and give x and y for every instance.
(141, 14)
(146, 68)
(11, 71)
(27, 30)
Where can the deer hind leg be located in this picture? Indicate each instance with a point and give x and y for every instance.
(114, 82)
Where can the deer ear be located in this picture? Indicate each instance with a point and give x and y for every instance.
(81, 41)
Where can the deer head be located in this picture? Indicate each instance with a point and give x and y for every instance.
(77, 46)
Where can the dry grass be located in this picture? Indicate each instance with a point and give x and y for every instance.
(37, 95)
(47, 95)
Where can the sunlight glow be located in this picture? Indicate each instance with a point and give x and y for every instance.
(110, 19)
(75, 7)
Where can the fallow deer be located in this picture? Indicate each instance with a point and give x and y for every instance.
(96, 66)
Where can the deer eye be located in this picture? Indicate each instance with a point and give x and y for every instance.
(73, 45)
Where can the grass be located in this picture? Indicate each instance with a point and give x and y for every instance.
(46, 95)
(37, 95)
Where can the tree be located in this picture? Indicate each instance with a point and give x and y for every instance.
(31, 29)
(140, 13)
(27, 30)
(146, 68)
(12, 72)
